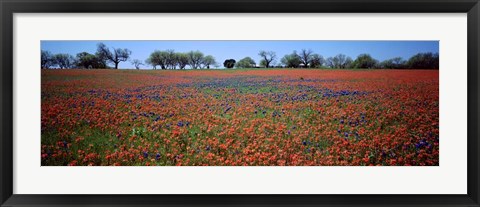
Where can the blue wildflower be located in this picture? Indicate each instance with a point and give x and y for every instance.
(180, 124)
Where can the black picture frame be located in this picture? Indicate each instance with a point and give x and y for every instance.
(10, 7)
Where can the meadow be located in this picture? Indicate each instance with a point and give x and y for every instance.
(248, 117)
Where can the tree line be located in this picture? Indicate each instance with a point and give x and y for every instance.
(169, 59)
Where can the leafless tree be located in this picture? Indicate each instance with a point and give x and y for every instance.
(118, 55)
(267, 57)
(137, 63)
(306, 57)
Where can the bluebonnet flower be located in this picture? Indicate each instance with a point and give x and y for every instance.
(157, 157)
(145, 154)
(180, 124)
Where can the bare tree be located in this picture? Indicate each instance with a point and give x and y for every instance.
(118, 55)
(306, 57)
(339, 61)
(47, 59)
(317, 61)
(64, 60)
(267, 57)
(137, 63)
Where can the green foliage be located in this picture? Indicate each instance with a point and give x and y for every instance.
(169, 59)
(158, 58)
(182, 60)
(46, 59)
(229, 63)
(291, 60)
(317, 61)
(365, 61)
(394, 63)
(246, 62)
(195, 59)
(424, 61)
(208, 61)
(89, 61)
(340, 61)
(64, 61)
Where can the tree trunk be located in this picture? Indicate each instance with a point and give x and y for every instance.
(116, 65)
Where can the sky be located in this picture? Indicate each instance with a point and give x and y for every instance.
(238, 49)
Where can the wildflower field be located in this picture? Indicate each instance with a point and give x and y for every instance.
(251, 117)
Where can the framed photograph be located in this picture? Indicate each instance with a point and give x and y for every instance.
(239, 103)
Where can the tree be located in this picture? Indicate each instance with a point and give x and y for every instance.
(195, 59)
(137, 63)
(306, 57)
(159, 58)
(170, 59)
(394, 63)
(424, 61)
(348, 63)
(339, 61)
(64, 60)
(262, 63)
(246, 62)
(365, 61)
(148, 61)
(317, 61)
(87, 60)
(267, 57)
(118, 55)
(47, 59)
(208, 61)
(182, 60)
(229, 63)
(398, 61)
(331, 62)
(291, 60)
